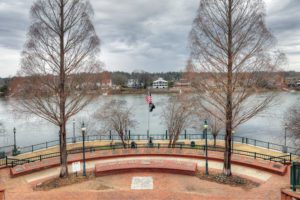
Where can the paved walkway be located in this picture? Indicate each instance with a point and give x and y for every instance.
(166, 186)
(236, 169)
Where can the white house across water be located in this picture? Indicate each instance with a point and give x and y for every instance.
(160, 83)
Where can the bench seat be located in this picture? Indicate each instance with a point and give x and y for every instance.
(166, 166)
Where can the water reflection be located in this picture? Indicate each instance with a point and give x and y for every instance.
(33, 130)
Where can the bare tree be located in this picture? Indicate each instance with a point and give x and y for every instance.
(117, 116)
(59, 63)
(292, 124)
(230, 47)
(215, 125)
(178, 115)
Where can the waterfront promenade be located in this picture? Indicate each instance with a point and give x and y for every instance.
(166, 186)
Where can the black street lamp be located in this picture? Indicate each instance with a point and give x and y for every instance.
(284, 150)
(83, 129)
(74, 138)
(15, 143)
(205, 126)
(232, 139)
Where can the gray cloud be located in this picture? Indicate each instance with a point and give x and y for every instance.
(283, 20)
(143, 34)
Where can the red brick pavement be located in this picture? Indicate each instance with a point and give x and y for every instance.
(166, 187)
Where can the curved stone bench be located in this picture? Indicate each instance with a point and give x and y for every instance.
(259, 164)
(166, 166)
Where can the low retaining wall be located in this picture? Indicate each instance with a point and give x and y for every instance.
(2, 194)
(166, 166)
(260, 164)
(287, 194)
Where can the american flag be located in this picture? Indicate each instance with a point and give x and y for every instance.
(149, 98)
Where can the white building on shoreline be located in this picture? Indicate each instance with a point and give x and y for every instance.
(160, 84)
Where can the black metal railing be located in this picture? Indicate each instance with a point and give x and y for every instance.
(184, 136)
(11, 162)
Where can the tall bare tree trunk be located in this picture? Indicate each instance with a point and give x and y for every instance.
(227, 153)
(63, 152)
(215, 140)
(121, 134)
(62, 98)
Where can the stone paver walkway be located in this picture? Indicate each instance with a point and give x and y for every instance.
(166, 187)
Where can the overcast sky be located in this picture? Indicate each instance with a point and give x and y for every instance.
(148, 35)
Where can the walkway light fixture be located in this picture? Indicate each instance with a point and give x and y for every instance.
(15, 151)
(284, 150)
(83, 129)
(205, 126)
(232, 139)
(74, 138)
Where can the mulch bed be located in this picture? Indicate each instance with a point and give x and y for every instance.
(61, 182)
(233, 180)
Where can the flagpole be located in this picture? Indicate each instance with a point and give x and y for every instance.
(148, 131)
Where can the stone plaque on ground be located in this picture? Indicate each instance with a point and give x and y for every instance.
(142, 183)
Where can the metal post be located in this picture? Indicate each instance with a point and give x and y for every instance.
(129, 134)
(83, 149)
(15, 143)
(206, 156)
(166, 134)
(74, 138)
(206, 152)
(185, 134)
(293, 176)
(148, 130)
(285, 147)
(232, 139)
(110, 134)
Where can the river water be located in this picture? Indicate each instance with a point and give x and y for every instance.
(33, 130)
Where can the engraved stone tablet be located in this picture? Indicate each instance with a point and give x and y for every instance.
(142, 183)
(19, 168)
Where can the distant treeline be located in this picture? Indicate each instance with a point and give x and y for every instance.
(145, 78)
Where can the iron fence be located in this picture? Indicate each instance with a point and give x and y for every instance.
(11, 162)
(295, 176)
(7, 150)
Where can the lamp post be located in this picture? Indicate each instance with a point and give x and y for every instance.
(74, 138)
(15, 143)
(205, 126)
(232, 139)
(83, 129)
(285, 147)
